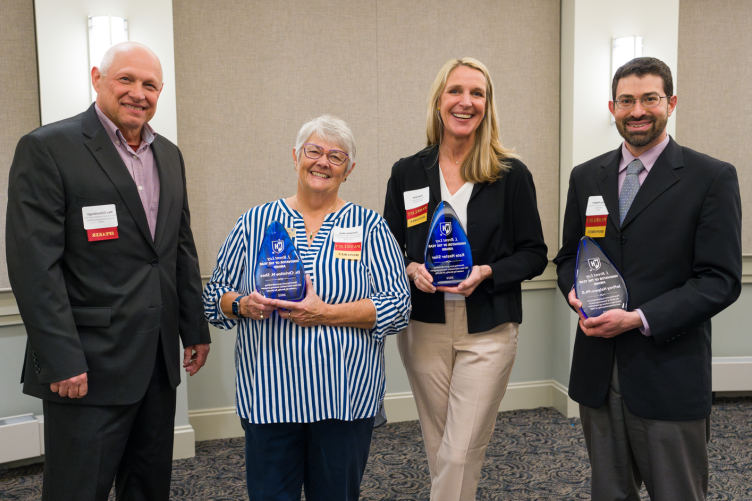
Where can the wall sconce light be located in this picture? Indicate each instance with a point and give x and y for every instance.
(623, 50)
(104, 32)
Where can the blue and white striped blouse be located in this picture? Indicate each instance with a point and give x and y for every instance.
(288, 373)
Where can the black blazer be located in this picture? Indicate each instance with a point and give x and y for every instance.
(99, 307)
(503, 228)
(679, 251)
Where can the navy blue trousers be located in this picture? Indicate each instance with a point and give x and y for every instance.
(327, 458)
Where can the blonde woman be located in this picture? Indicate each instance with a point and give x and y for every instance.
(461, 342)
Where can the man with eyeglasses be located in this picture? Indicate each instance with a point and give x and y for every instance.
(642, 376)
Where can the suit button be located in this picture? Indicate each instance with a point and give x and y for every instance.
(623, 239)
(154, 262)
(39, 371)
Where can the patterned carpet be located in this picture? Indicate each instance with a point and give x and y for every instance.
(534, 454)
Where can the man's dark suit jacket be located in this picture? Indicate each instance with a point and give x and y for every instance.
(99, 307)
(679, 251)
(503, 227)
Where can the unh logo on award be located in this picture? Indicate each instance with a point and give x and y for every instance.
(278, 246)
(446, 229)
(594, 263)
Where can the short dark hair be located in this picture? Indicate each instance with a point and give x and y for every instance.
(642, 66)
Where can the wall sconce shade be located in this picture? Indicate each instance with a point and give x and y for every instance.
(104, 32)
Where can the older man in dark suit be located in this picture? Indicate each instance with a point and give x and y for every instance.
(673, 230)
(102, 261)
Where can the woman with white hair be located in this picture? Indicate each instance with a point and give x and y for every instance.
(310, 374)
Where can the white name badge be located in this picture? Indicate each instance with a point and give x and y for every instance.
(596, 207)
(100, 222)
(416, 206)
(348, 242)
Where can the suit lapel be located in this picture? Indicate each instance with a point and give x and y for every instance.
(105, 153)
(478, 186)
(162, 158)
(608, 184)
(661, 177)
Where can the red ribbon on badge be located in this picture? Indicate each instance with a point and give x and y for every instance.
(595, 226)
(347, 246)
(102, 234)
(417, 215)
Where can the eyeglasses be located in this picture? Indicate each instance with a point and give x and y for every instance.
(314, 152)
(626, 103)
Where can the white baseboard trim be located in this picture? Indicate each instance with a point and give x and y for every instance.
(562, 402)
(732, 374)
(529, 395)
(222, 422)
(213, 424)
(400, 407)
(184, 445)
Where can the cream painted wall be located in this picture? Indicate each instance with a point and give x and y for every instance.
(63, 52)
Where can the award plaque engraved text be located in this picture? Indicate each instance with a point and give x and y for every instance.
(447, 256)
(597, 282)
(279, 271)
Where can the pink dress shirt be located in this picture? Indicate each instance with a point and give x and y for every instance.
(140, 165)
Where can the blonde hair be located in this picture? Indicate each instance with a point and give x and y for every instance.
(488, 159)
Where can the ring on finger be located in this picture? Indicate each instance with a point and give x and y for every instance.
(416, 277)
(261, 315)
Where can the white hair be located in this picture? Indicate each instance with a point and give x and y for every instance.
(331, 129)
(109, 56)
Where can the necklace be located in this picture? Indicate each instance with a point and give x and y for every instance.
(310, 233)
(456, 162)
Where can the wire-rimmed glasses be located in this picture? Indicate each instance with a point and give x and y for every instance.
(649, 101)
(314, 152)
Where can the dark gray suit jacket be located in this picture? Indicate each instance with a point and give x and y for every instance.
(679, 251)
(99, 307)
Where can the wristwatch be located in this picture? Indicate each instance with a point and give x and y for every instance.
(236, 306)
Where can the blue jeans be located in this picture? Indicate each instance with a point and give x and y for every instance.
(327, 458)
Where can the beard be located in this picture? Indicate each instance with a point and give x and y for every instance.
(643, 137)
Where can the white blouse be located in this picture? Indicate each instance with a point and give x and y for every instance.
(458, 201)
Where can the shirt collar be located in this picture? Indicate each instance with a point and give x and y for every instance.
(147, 132)
(648, 158)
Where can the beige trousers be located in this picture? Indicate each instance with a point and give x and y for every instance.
(458, 381)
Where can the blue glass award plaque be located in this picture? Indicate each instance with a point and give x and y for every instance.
(597, 282)
(279, 271)
(448, 257)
